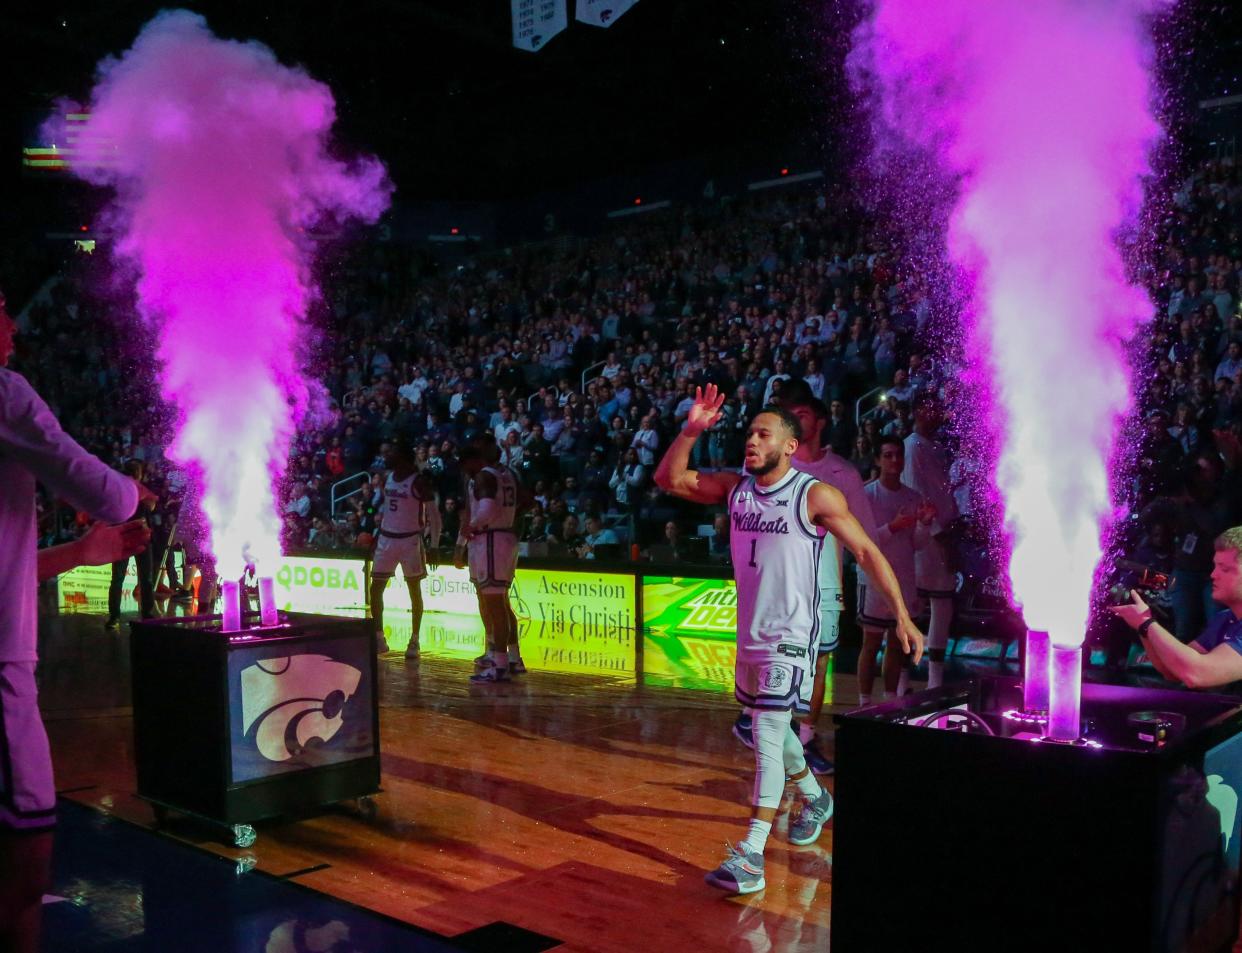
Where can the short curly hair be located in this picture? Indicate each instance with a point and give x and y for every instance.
(789, 420)
(1230, 539)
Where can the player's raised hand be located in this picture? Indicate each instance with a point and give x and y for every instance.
(706, 409)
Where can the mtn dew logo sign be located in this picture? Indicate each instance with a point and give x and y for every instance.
(689, 632)
(676, 604)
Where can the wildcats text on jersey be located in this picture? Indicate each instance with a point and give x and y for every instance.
(755, 523)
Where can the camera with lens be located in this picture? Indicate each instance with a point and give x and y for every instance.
(1150, 583)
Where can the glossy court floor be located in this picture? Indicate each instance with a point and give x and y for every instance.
(566, 811)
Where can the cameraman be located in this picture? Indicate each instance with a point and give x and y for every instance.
(1214, 659)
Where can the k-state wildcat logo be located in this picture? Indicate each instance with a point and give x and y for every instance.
(293, 701)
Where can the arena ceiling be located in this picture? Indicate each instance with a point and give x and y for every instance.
(436, 89)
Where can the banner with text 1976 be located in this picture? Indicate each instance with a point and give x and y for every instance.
(537, 21)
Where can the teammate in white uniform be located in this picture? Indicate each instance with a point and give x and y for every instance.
(819, 461)
(33, 447)
(488, 543)
(407, 515)
(778, 518)
(901, 521)
(927, 473)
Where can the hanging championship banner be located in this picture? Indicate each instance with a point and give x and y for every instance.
(602, 12)
(537, 21)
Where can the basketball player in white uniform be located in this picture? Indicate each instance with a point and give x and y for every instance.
(927, 473)
(819, 461)
(407, 514)
(901, 520)
(778, 518)
(488, 544)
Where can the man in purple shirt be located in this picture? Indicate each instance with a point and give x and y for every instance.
(1214, 659)
(33, 447)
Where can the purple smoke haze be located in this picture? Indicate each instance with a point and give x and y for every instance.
(218, 155)
(1039, 117)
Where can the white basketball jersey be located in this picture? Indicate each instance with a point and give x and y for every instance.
(776, 553)
(842, 476)
(899, 549)
(404, 509)
(506, 499)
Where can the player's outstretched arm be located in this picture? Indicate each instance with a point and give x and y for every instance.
(826, 507)
(674, 476)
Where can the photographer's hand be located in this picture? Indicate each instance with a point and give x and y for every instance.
(1133, 613)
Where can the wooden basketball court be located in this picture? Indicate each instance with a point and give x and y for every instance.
(581, 808)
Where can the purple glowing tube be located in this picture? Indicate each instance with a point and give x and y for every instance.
(267, 601)
(230, 593)
(1035, 673)
(1064, 696)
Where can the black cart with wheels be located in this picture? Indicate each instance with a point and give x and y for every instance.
(232, 728)
(959, 828)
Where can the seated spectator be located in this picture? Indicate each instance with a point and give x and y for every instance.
(322, 534)
(718, 546)
(1231, 363)
(1183, 429)
(537, 460)
(646, 442)
(299, 503)
(536, 530)
(627, 479)
(571, 494)
(567, 540)
(672, 547)
(512, 453)
(863, 458)
(596, 535)
(839, 431)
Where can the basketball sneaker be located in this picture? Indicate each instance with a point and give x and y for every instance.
(815, 814)
(740, 872)
(490, 676)
(381, 644)
(815, 759)
(517, 667)
(743, 730)
(412, 650)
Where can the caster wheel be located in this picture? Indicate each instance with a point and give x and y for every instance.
(243, 835)
(367, 808)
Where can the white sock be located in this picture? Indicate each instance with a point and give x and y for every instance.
(903, 683)
(514, 654)
(756, 838)
(500, 660)
(805, 733)
(808, 787)
(935, 674)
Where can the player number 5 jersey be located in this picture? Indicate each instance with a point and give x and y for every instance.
(404, 510)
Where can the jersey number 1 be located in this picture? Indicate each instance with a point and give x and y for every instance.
(753, 544)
